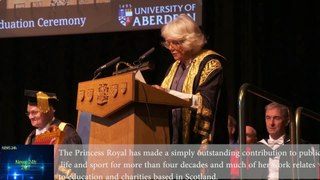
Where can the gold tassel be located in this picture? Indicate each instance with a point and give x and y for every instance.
(43, 102)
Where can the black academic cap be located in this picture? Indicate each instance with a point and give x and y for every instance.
(42, 99)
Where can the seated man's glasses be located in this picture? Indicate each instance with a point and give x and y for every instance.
(33, 113)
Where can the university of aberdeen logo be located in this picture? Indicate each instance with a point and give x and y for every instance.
(125, 14)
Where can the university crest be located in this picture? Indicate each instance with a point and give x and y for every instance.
(125, 14)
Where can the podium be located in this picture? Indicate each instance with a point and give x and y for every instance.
(122, 110)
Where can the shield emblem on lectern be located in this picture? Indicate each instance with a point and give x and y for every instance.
(123, 88)
(114, 90)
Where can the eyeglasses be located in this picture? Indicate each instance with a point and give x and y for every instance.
(33, 113)
(172, 43)
(277, 118)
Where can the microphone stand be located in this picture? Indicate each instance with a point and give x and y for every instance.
(136, 65)
(143, 66)
(101, 68)
(96, 75)
(119, 63)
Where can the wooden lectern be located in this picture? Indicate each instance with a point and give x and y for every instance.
(124, 110)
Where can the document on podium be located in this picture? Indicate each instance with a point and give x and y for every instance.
(140, 77)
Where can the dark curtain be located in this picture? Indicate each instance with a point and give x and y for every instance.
(270, 44)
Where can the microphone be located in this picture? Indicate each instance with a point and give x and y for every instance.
(108, 64)
(144, 66)
(146, 54)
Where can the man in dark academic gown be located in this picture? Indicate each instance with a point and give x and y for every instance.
(40, 111)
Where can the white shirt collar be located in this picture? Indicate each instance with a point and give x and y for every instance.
(280, 140)
(40, 131)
